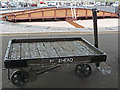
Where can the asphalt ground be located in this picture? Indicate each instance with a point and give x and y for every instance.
(104, 77)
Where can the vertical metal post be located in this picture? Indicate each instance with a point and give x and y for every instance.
(20, 50)
(95, 27)
(8, 74)
(94, 11)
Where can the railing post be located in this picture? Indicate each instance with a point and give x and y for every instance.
(76, 12)
(111, 15)
(29, 15)
(14, 18)
(66, 12)
(42, 16)
(55, 14)
(86, 14)
(103, 14)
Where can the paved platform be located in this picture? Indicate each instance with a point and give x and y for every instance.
(109, 24)
(57, 26)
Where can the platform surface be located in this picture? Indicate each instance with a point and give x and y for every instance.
(50, 49)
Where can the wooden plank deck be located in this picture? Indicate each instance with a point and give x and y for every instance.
(50, 49)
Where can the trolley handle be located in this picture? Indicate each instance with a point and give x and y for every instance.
(94, 12)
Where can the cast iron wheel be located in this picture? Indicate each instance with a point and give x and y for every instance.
(83, 71)
(20, 78)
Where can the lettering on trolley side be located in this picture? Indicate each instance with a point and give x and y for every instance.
(64, 60)
(52, 60)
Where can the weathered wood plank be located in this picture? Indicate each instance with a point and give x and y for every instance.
(25, 51)
(50, 49)
(34, 50)
(42, 50)
(87, 47)
(83, 48)
(11, 52)
(80, 47)
(15, 51)
(59, 50)
(73, 48)
(66, 48)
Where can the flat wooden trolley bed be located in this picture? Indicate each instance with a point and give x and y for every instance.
(28, 56)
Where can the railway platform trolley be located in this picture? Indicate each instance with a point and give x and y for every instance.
(25, 58)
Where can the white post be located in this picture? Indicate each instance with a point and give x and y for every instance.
(72, 9)
(75, 10)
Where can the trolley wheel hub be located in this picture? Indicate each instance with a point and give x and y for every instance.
(20, 78)
(83, 71)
